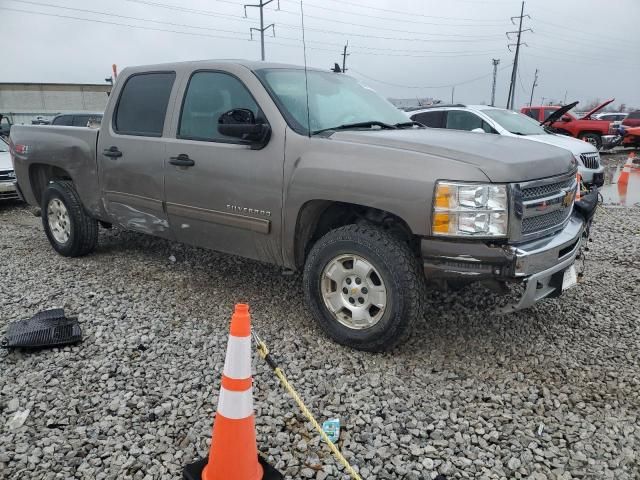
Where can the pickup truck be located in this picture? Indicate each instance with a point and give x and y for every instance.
(329, 179)
(558, 118)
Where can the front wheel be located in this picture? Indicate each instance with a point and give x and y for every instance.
(364, 287)
(70, 230)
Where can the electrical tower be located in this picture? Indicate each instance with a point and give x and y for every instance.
(514, 71)
(496, 62)
(262, 28)
(533, 86)
(344, 57)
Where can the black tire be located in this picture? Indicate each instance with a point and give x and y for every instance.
(83, 236)
(399, 269)
(593, 138)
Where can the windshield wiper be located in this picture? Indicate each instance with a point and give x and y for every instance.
(346, 126)
(408, 124)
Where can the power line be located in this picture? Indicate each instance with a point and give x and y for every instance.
(366, 49)
(472, 38)
(426, 86)
(193, 34)
(512, 85)
(386, 10)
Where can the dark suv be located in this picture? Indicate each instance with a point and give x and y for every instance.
(77, 119)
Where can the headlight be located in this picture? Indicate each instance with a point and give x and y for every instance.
(465, 210)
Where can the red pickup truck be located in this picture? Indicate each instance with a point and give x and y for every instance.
(560, 120)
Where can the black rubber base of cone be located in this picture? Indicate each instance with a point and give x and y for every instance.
(193, 471)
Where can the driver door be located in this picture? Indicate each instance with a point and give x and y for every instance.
(221, 194)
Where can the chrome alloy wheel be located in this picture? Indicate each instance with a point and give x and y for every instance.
(353, 291)
(59, 222)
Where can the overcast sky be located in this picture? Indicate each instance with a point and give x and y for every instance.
(588, 48)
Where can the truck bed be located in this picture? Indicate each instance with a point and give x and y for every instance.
(70, 151)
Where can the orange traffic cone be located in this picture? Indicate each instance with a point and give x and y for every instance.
(624, 175)
(234, 453)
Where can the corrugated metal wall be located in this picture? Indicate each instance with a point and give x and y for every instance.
(26, 101)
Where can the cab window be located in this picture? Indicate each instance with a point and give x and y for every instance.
(142, 105)
(208, 96)
(462, 120)
(435, 119)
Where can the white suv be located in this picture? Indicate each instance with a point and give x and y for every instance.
(486, 119)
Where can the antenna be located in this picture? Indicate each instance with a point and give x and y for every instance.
(306, 78)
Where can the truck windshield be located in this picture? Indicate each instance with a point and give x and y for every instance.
(515, 122)
(335, 100)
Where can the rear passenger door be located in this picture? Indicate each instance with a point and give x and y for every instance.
(131, 152)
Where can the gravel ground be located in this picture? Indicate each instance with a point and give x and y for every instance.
(552, 392)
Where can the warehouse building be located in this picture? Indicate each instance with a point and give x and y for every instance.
(23, 102)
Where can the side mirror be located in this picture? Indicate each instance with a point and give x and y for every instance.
(566, 118)
(241, 123)
(478, 130)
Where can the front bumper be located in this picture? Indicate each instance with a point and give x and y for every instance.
(8, 191)
(591, 176)
(537, 263)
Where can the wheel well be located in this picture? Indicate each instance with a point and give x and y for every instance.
(318, 217)
(41, 174)
(585, 132)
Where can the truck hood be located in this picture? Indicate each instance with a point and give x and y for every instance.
(574, 145)
(500, 158)
(587, 115)
(555, 115)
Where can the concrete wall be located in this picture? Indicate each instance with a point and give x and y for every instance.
(25, 101)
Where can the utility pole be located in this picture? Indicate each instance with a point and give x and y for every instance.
(514, 71)
(565, 97)
(542, 101)
(344, 57)
(262, 28)
(496, 62)
(453, 90)
(533, 86)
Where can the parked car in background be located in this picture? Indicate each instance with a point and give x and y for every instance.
(330, 179)
(7, 175)
(611, 116)
(486, 119)
(39, 120)
(5, 125)
(561, 121)
(82, 119)
(632, 120)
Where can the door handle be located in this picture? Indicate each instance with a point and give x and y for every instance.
(182, 160)
(112, 152)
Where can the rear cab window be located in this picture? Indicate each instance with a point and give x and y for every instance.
(533, 113)
(433, 119)
(142, 106)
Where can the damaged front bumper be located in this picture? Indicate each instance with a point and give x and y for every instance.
(539, 264)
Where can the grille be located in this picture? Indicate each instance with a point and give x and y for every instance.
(542, 191)
(590, 160)
(7, 176)
(543, 222)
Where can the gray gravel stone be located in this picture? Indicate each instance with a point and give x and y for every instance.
(464, 397)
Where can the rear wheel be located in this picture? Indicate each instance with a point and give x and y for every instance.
(364, 287)
(70, 230)
(593, 138)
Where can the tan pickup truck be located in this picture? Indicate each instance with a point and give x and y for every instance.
(312, 172)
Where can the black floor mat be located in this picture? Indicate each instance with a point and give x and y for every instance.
(49, 328)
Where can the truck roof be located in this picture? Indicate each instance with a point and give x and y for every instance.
(250, 64)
